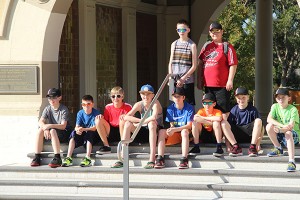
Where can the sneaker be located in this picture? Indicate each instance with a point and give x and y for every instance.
(236, 151)
(219, 152)
(252, 152)
(159, 162)
(86, 162)
(36, 162)
(275, 152)
(67, 162)
(195, 150)
(104, 150)
(55, 162)
(184, 163)
(291, 167)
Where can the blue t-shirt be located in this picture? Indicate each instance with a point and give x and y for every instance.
(242, 117)
(180, 117)
(86, 121)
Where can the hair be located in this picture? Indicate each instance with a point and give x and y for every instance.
(118, 90)
(88, 98)
(183, 21)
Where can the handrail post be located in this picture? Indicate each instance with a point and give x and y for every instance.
(125, 172)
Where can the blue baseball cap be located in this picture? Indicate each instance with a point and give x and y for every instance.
(147, 88)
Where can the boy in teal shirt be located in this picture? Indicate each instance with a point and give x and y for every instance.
(283, 127)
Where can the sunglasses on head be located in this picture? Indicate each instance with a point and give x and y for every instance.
(114, 96)
(207, 103)
(86, 104)
(181, 30)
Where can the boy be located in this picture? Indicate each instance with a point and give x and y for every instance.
(180, 115)
(84, 133)
(153, 122)
(245, 122)
(110, 125)
(283, 127)
(183, 61)
(53, 126)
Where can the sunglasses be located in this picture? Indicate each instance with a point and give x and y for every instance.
(86, 104)
(181, 30)
(114, 96)
(207, 103)
(52, 98)
(215, 31)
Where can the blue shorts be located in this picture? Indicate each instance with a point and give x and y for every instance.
(81, 140)
(282, 140)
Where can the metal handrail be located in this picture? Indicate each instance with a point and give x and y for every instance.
(127, 142)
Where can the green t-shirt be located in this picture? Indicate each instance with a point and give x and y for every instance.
(285, 116)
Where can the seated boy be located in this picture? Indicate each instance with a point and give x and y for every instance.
(153, 122)
(283, 127)
(85, 133)
(110, 125)
(53, 126)
(246, 123)
(207, 121)
(180, 116)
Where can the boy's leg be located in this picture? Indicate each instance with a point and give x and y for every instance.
(39, 141)
(227, 132)
(257, 132)
(71, 147)
(185, 142)
(103, 129)
(196, 129)
(272, 135)
(55, 141)
(152, 140)
(121, 126)
(290, 144)
(218, 131)
(162, 135)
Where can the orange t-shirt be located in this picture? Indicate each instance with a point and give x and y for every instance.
(203, 113)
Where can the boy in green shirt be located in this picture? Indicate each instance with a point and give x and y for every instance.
(283, 127)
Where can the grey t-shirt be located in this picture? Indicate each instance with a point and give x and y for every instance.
(56, 116)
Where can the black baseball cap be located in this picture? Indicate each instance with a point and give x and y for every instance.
(241, 91)
(179, 91)
(53, 92)
(215, 25)
(209, 96)
(282, 91)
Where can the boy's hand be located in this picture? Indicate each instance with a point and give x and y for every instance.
(46, 127)
(277, 129)
(79, 130)
(122, 117)
(47, 135)
(170, 131)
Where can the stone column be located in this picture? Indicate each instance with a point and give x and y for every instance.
(264, 57)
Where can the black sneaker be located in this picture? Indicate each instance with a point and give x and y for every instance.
(219, 152)
(55, 162)
(104, 150)
(35, 162)
(195, 150)
(159, 162)
(184, 163)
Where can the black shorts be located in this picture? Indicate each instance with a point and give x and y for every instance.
(114, 134)
(243, 134)
(207, 136)
(222, 97)
(63, 135)
(81, 140)
(142, 136)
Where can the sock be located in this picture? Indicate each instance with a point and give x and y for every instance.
(219, 145)
(253, 145)
(197, 145)
(292, 160)
(236, 144)
(57, 155)
(38, 155)
(278, 147)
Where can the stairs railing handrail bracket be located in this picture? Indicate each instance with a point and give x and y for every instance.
(127, 142)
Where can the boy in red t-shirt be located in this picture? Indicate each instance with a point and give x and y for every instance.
(110, 125)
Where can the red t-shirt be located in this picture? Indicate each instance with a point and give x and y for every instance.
(216, 65)
(112, 114)
(202, 113)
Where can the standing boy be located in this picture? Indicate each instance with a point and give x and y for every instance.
(53, 126)
(218, 61)
(283, 127)
(245, 122)
(85, 133)
(180, 115)
(183, 61)
(110, 125)
(153, 121)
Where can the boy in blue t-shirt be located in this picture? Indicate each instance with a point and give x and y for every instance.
(283, 127)
(85, 132)
(180, 115)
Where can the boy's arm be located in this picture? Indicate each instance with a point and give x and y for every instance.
(178, 129)
(154, 115)
(232, 71)
(271, 120)
(171, 58)
(130, 115)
